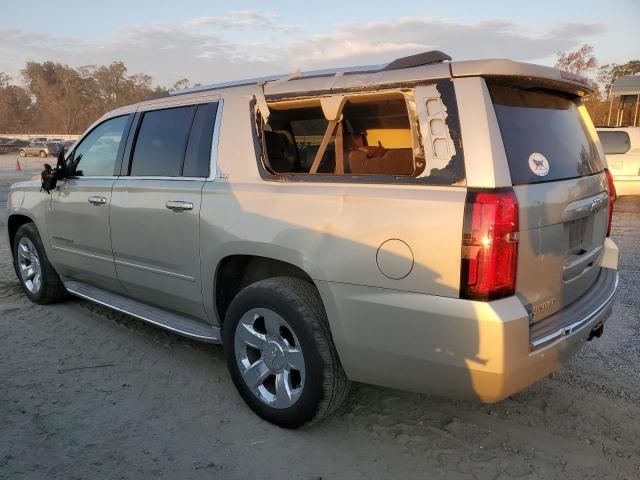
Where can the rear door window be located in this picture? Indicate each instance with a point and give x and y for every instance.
(614, 143)
(161, 142)
(546, 135)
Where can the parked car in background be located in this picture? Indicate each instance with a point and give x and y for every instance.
(622, 147)
(16, 142)
(35, 148)
(12, 145)
(54, 147)
(5, 146)
(425, 225)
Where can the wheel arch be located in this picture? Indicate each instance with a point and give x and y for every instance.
(236, 271)
(14, 222)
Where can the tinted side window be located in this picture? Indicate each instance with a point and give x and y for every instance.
(614, 142)
(97, 153)
(161, 142)
(198, 156)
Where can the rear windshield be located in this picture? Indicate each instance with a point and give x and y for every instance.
(614, 142)
(546, 136)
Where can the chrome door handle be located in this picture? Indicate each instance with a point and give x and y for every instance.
(97, 200)
(179, 206)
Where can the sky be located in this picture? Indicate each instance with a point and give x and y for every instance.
(209, 41)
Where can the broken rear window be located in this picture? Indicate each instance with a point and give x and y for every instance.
(374, 136)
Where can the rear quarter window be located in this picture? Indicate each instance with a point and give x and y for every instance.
(546, 135)
(614, 143)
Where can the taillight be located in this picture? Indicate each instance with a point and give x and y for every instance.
(489, 245)
(611, 188)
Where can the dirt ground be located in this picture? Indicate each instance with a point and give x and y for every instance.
(89, 393)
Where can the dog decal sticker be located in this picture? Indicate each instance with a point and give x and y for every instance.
(539, 164)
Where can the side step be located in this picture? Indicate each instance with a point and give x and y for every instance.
(156, 316)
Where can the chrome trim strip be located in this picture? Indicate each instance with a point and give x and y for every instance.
(155, 270)
(63, 239)
(215, 142)
(189, 179)
(93, 177)
(576, 325)
(215, 331)
(82, 254)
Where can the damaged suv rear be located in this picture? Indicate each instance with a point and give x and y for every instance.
(426, 225)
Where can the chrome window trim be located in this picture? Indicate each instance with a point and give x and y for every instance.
(213, 163)
(189, 179)
(215, 142)
(93, 177)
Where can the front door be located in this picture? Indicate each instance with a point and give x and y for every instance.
(78, 218)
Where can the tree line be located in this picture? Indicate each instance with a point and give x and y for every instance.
(56, 98)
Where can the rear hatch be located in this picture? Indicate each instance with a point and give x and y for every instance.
(558, 177)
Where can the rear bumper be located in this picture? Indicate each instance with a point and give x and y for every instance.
(590, 310)
(453, 347)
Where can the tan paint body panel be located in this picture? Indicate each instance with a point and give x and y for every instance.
(157, 250)
(79, 232)
(486, 161)
(450, 347)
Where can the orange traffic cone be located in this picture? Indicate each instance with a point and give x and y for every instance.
(18, 167)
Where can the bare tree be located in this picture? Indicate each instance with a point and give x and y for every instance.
(580, 62)
(180, 84)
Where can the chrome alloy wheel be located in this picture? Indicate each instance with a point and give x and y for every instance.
(29, 265)
(269, 357)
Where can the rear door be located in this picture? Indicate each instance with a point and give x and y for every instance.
(556, 167)
(155, 208)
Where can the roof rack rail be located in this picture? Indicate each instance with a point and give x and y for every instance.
(424, 58)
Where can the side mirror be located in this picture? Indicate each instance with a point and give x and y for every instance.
(61, 166)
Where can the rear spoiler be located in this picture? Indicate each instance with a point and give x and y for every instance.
(551, 77)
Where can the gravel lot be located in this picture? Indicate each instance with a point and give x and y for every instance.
(89, 393)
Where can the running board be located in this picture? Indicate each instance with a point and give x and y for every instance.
(170, 321)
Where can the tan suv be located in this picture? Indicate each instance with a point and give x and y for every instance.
(425, 225)
(35, 147)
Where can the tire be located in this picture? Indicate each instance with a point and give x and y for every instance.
(22, 153)
(48, 288)
(320, 384)
(43, 154)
